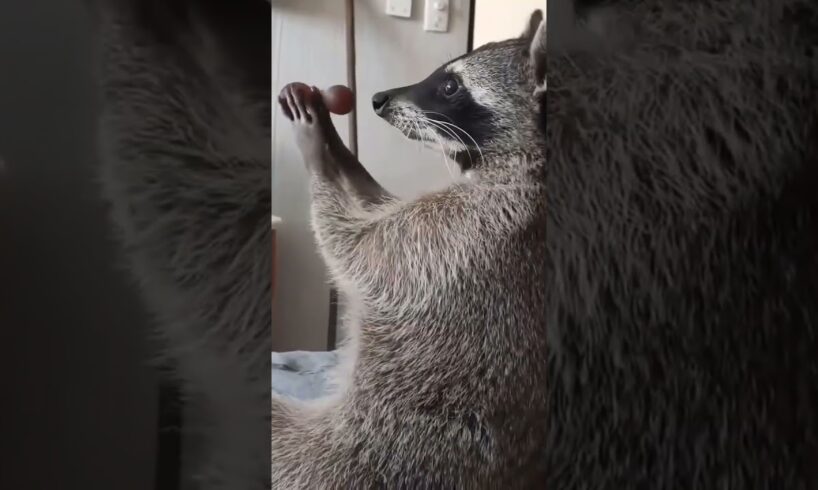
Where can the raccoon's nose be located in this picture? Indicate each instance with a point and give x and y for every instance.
(379, 101)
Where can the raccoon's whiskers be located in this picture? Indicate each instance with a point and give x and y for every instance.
(454, 136)
(456, 127)
(406, 124)
(418, 132)
(424, 121)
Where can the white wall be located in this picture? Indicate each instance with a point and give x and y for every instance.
(391, 52)
(308, 46)
(497, 20)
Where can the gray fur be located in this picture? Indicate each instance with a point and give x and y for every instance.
(442, 384)
(186, 167)
(676, 283)
(681, 249)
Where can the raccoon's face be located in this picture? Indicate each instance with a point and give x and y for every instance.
(476, 107)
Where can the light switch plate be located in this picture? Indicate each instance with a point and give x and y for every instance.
(436, 15)
(399, 8)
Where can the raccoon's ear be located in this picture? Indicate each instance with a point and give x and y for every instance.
(537, 54)
(533, 24)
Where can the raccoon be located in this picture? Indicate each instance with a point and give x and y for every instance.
(664, 328)
(184, 139)
(443, 372)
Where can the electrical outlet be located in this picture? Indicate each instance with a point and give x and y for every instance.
(399, 8)
(436, 16)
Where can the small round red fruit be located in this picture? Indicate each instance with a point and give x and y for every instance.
(297, 86)
(339, 99)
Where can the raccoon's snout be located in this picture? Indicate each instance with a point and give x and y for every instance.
(380, 101)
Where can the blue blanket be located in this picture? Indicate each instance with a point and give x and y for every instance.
(301, 374)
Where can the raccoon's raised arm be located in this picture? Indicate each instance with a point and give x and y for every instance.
(367, 193)
(415, 249)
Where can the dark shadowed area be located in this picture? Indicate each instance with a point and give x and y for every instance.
(82, 410)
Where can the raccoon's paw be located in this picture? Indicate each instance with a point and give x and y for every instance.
(305, 107)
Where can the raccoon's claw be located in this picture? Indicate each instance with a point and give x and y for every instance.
(304, 107)
(319, 108)
(291, 100)
(294, 95)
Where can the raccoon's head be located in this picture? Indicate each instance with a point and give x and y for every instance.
(479, 106)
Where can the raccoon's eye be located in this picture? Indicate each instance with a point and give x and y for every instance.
(450, 87)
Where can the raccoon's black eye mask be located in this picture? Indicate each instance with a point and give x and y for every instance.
(440, 89)
(450, 87)
(443, 97)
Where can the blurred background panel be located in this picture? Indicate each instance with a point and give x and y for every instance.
(80, 402)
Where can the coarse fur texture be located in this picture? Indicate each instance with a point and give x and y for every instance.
(443, 376)
(678, 280)
(682, 238)
(185, 134)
